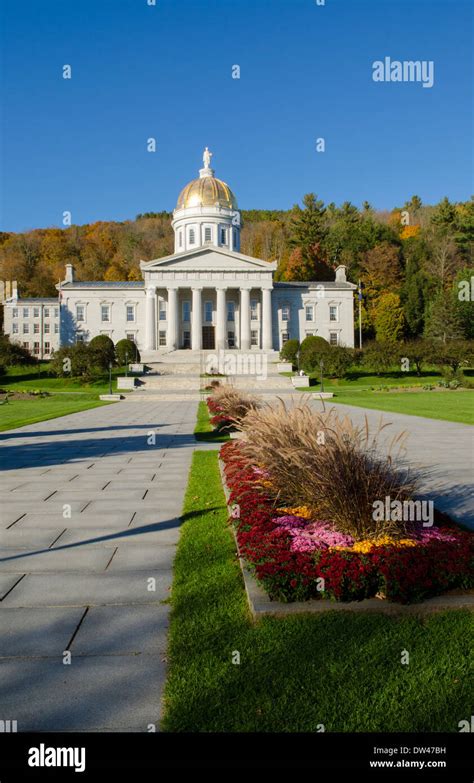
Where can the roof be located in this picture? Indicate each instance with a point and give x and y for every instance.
(104, 284)
(32, 300)
(314, 284)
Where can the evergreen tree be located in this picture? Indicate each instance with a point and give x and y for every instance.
(444, 321)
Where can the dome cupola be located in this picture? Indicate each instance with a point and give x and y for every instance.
(206, 213)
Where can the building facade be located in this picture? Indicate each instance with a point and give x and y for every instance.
(207, 295)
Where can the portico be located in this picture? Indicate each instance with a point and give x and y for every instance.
(197, 316)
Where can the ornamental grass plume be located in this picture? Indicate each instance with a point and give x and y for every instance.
(326, 462)
(233, 404)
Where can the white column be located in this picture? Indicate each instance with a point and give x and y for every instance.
(172, 317)
(150, 321)
(221, 319)
(196, 325)
(267, 337)
(244, 319)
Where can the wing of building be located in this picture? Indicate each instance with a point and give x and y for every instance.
(207, 295)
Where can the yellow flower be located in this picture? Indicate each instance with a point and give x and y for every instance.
(367, 544)
(298, 511)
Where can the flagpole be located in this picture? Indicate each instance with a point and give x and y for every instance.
(360, 316)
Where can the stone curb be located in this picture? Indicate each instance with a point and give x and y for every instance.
(260, 605)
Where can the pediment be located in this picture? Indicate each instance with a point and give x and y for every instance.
(213, 259)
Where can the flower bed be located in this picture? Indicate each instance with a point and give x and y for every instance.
(297, 558)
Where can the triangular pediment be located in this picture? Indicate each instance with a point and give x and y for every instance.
(208, 258)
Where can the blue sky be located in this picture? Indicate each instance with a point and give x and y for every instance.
(164, 71)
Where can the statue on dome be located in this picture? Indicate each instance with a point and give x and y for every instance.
(207, 158)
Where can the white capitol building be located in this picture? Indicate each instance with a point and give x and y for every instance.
(207, 295)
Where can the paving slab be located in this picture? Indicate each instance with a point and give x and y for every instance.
(37, 561)
(93, 693)
(37, 632)
(108, 630)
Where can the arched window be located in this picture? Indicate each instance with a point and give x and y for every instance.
(223, 236)
(192, 236)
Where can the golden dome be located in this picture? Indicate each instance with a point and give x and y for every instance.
(206, 192)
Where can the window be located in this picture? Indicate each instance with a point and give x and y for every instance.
(15, 312)
(192, 236)
(186, 311)
(284, 337)
(186, 339)
(130, 313)
(309, 334)
(56, 328)
(46, 328)
(26, 328)
(26, 312)
(231, 339)
(36, 348)
(161, 338)
(180, 239)
(285, 313)
(130, 336)
(105, 312)
(333, 312)
(207, 234)
(231, 311)
(80, 338)
(81, 313)
(26, 345)
(36, 312)
(47, 347)
(253, 310)
(162, 310)
(223, 236)
(235, 237)
(333, 338)
(14, 328)
(254, 337)
(56, 312)
(36, 328)
(208, 312)
(46, 312)
(309, 310)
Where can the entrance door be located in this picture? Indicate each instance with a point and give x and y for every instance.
(208, 338)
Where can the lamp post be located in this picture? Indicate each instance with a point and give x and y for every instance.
(298, 360)
(110, 377)
(126, 364)
(321, 367)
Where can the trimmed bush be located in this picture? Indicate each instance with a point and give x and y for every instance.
(289, 351)
(126, 351)
(102, 351)
(312, 350)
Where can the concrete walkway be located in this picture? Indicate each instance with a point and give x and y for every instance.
(444, 449)
(89, 521)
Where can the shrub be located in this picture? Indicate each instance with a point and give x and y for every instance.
(126, 351)
(312, 350)
(102, 351)
(73, 361)
(289, 351)
(325, 462)
(13, 353)
(379, 357)
(454, 354)
(418, 352)
(337, 361)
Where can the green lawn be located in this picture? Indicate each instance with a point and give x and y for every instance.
(447, 405)
(17, 413)
(27, 378)
(204, 431)
(337, 669)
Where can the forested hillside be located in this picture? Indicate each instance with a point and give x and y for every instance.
(410, 260)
